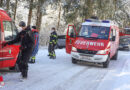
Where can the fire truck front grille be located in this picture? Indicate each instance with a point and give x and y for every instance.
(86, 51)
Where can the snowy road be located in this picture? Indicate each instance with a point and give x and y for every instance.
(61, 74)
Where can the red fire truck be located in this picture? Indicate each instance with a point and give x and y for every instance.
(96, 42)
(125, 32)
(8, 31)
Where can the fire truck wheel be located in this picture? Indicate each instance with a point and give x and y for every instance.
(15, 68)
(106, 64)
(74, 61)
(115, 56)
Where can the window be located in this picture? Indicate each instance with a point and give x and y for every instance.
(127, 31)
(113, 33)
(10, 30)
(15, 31)
(99, 32)
(71, 31)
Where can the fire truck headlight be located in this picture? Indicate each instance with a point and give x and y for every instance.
(101, 52)
(74, 49)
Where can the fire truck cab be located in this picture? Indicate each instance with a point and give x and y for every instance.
(96, 42)
(8, 31)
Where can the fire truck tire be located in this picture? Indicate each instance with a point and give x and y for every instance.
(106, 64)
(15, 68)
(115, 56)
(74, 61)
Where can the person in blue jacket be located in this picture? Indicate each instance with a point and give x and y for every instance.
(36, 46)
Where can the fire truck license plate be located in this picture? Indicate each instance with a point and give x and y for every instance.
(85, 57)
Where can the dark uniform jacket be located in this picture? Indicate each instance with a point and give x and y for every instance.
(24, 37)
(53, 38)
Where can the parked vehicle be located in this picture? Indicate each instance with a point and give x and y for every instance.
(125, 32)
(96, 42)
(124, 43)
(8, 31)
(61, 41)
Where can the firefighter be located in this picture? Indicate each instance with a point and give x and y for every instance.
(27, 43)
(52, 43)
(36, 40)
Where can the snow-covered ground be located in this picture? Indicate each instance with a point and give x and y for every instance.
(61, 74)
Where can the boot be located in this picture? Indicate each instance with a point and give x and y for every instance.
(33, 60)
(54, 57)
(51, 57)
(30, 60)
(23, 79)
(24, 73)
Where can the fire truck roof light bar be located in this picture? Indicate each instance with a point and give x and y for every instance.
(88, 20)
(104, 21)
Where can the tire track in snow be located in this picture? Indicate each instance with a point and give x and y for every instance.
(62, 76)
(47, 70)
(110, 79)
(102, 74)
(46, 77)
(70, 80)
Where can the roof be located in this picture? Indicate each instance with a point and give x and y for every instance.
(106, 23)
(4, 15)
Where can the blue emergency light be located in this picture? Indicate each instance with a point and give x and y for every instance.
(88, 20)
(104, 21)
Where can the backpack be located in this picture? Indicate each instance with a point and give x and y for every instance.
(36, 36)
(32, 39)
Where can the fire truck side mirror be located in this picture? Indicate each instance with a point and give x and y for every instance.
(113, 38)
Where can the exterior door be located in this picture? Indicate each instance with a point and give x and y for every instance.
(70, 37)
(10, 52)
(1, 62)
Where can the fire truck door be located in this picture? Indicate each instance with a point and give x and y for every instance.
(70, 37)
(9, 51)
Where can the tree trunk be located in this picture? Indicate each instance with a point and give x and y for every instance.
(40, 21)
(15, 9)
(1, 2)
(39, 14)
(30, 12)
(90, 9)
(59, 16)
(7, 5)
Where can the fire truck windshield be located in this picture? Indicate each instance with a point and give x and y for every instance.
(99, 32)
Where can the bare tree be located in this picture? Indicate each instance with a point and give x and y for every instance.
(15, 9)
(39, 14)
(1, 3)
(30, 12)
(7, 5)
(59, 16)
